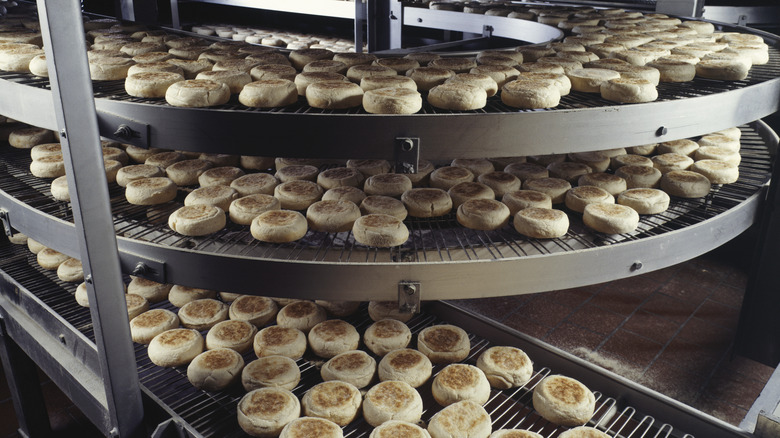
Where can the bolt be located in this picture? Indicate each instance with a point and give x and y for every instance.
(62, 339)
(410, 289)
(636, 266)
(140, 269)
(124, 131)
(419, 20)
(661, 131)
(63, 134)
(408, 145)
(88, 279)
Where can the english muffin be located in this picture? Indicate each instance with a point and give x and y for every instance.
(336, 401)
(271, 372)
(406, 365)
(332, 337)
(564, 401)
(253, 309)
(308, 427)
(466, 418)
(392, 400)
(379, 310)
(265, 412)
(459, 382)
(387, 335)
(302, 315)
(175, 347)
(444, 343)
(505, 367)
(215, 370)
(281, 341)
(202, 314)
(396, 428)
(144, 327)
(180, 295)
(355, 367)
(236, 335)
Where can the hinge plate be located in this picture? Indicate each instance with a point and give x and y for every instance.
(6, 223)
(407, 154)
(409, 293)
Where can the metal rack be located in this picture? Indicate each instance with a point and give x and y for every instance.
(437, 254)
(34, 324)
(623, 408)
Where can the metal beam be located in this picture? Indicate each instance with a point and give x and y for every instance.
(63, 33)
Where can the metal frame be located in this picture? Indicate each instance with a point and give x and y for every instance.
(440, 280)
(94, 237)
(758, 332)
(117, 396)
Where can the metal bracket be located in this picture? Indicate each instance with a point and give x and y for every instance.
(409, 293)
(170, 428)
(407, 154)
(742, 20)
(142, 266)
(6, 223)
(487, 30)
(122, 129)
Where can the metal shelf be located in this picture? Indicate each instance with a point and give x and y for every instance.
(448, 260)
(623, 407)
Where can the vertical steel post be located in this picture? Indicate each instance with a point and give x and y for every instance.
(74, 104)
(25, 388)
(758, 332)
(358, 23)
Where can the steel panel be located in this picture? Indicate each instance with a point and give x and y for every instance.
(513, 28)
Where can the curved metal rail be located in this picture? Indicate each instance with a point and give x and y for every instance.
(447, 260)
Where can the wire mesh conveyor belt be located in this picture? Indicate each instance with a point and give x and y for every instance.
(667, 91)
(213, 414)
(431, 240)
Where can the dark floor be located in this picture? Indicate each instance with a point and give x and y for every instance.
(671, 330)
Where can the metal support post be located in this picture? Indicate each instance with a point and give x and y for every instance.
(360, 21)
(63, 34)
(758, 332)
(25, 387)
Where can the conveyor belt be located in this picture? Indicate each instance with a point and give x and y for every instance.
(437, 239)
(667, 91)
(212, 414)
